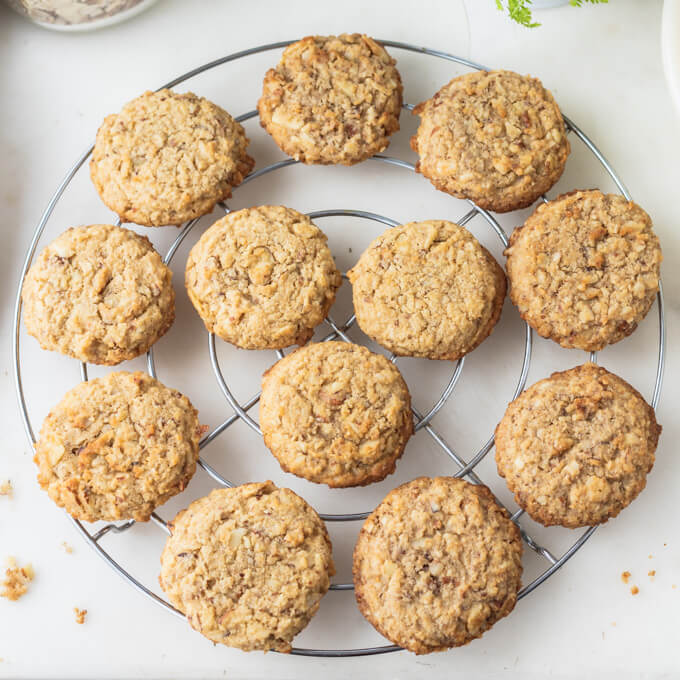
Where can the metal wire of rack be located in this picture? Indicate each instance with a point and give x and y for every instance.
(465, 468)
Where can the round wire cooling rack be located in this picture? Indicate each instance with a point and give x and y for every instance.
(465, 468)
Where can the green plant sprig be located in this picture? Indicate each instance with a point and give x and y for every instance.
(520, 10)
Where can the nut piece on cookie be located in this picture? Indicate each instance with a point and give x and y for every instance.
(167, 158)
(248, 566)
(496, 137)
(336, 413)
(584, 269)
(332, 99)
(437, 563)
(117, 447)
(575, 448)
(98, 293)
(262, 278)
(427, 289)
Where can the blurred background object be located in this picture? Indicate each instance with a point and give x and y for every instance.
(670, 47)
(78, 15)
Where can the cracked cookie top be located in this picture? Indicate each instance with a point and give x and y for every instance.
(336, 413)
(495, 137)
(117, 447)
(262, 278)
(437, 563)
(98, 293)
(584, 269)
(332, 99)
(575, 448)
(427, 289)
(167, 158)
(248, 566)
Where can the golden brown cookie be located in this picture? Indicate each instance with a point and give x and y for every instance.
(584, 269)
(336, 413)
(427, 289)
(575, 448)
(167, 158)
(262, 278)
(98, 293)
(437, 563)
(117, 447)
(248, 566)
(332, 99)
(495, 137)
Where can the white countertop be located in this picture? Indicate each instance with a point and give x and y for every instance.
(604, 66)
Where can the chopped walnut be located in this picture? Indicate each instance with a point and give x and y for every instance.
(16, 580)
(634, 590)
(625, 576)
(80, 615)
(651, 574)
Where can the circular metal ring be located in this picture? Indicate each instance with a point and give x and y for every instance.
(465, 469)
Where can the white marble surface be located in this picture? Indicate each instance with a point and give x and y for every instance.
(604, 66)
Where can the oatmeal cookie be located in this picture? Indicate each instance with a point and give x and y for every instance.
(495, 137)
(575, 448)
(117, 447)
(336, 413)
(98, 293)
(427, 289)
(262, 278)
(248, 566)
(584, 269)
(167, 158)
(437, 563)
(332, 99)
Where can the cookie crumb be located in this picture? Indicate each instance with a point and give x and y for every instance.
(634, 590)
(67, 548)
(6, 488)
(80, 615)
(650, 556)
(674, 586)
(16, 580)
(625, 576)
(614, 624)
(651, 574)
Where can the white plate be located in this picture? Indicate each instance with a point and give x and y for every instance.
(670, 47)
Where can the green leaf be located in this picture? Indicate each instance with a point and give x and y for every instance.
(519, 11)
(579, 3)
